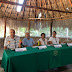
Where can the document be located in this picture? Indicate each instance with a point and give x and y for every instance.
(42, 47)
(34, 46)
(69, 44)
(58, 46)
(20, 49)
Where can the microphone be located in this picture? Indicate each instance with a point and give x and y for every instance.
(15, 42)
(8, 43)
(20, 41)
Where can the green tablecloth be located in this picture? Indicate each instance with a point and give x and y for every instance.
(19, 61)
(34, 60)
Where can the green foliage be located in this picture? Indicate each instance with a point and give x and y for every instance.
(45, 30)
(61, 32)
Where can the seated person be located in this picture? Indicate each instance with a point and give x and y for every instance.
(27, 41)
(11, 41)
(43, 40)
(54, 39)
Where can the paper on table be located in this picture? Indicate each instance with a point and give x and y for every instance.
(34, 46)
(12, 48)
(69, 44)
(49, 45)
(20, 49)
(63, 43)
(58, 46)
(42, 47)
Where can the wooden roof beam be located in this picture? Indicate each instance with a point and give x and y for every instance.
(70, 2)
(11, 11)
(29, 9)
(35, 8)
(5, 9)
(24, 8)
(51, 8)
(63, 6)
(45, 6)
(13, 3)
(57, 7)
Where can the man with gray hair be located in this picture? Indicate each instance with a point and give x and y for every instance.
(27, 41)
(11, 41)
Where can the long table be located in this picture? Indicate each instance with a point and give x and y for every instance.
(34, 60)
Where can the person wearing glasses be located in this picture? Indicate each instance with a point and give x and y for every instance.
(54, 39)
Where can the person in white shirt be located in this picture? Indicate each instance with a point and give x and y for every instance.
(43, 40)
(54, 39)
(11, 41)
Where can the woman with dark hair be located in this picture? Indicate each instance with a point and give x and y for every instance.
(43, 40)
(54, 39)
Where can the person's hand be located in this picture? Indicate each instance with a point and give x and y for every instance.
(8, 42)
(20, 41)
(64, 42)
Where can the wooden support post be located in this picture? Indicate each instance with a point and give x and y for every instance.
(4, 27)
(29, 26)
(51, 28)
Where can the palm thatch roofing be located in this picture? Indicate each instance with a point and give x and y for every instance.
(36, 9)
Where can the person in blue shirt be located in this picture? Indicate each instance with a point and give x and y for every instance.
(27, 41)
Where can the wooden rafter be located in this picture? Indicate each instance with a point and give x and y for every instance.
(29, 8)
(45, 4)
(16, 14)
(26, 19)
(40, 3)
(24, 8)
(5, 9)
(64, 19)
(51, 18)
(70, 2)
(13, 3)
(51, 8)
(39, 19)
(35, 8)
(11, 11)
(0, 4)
(63, 6)
(57, 7)
(23, 12)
